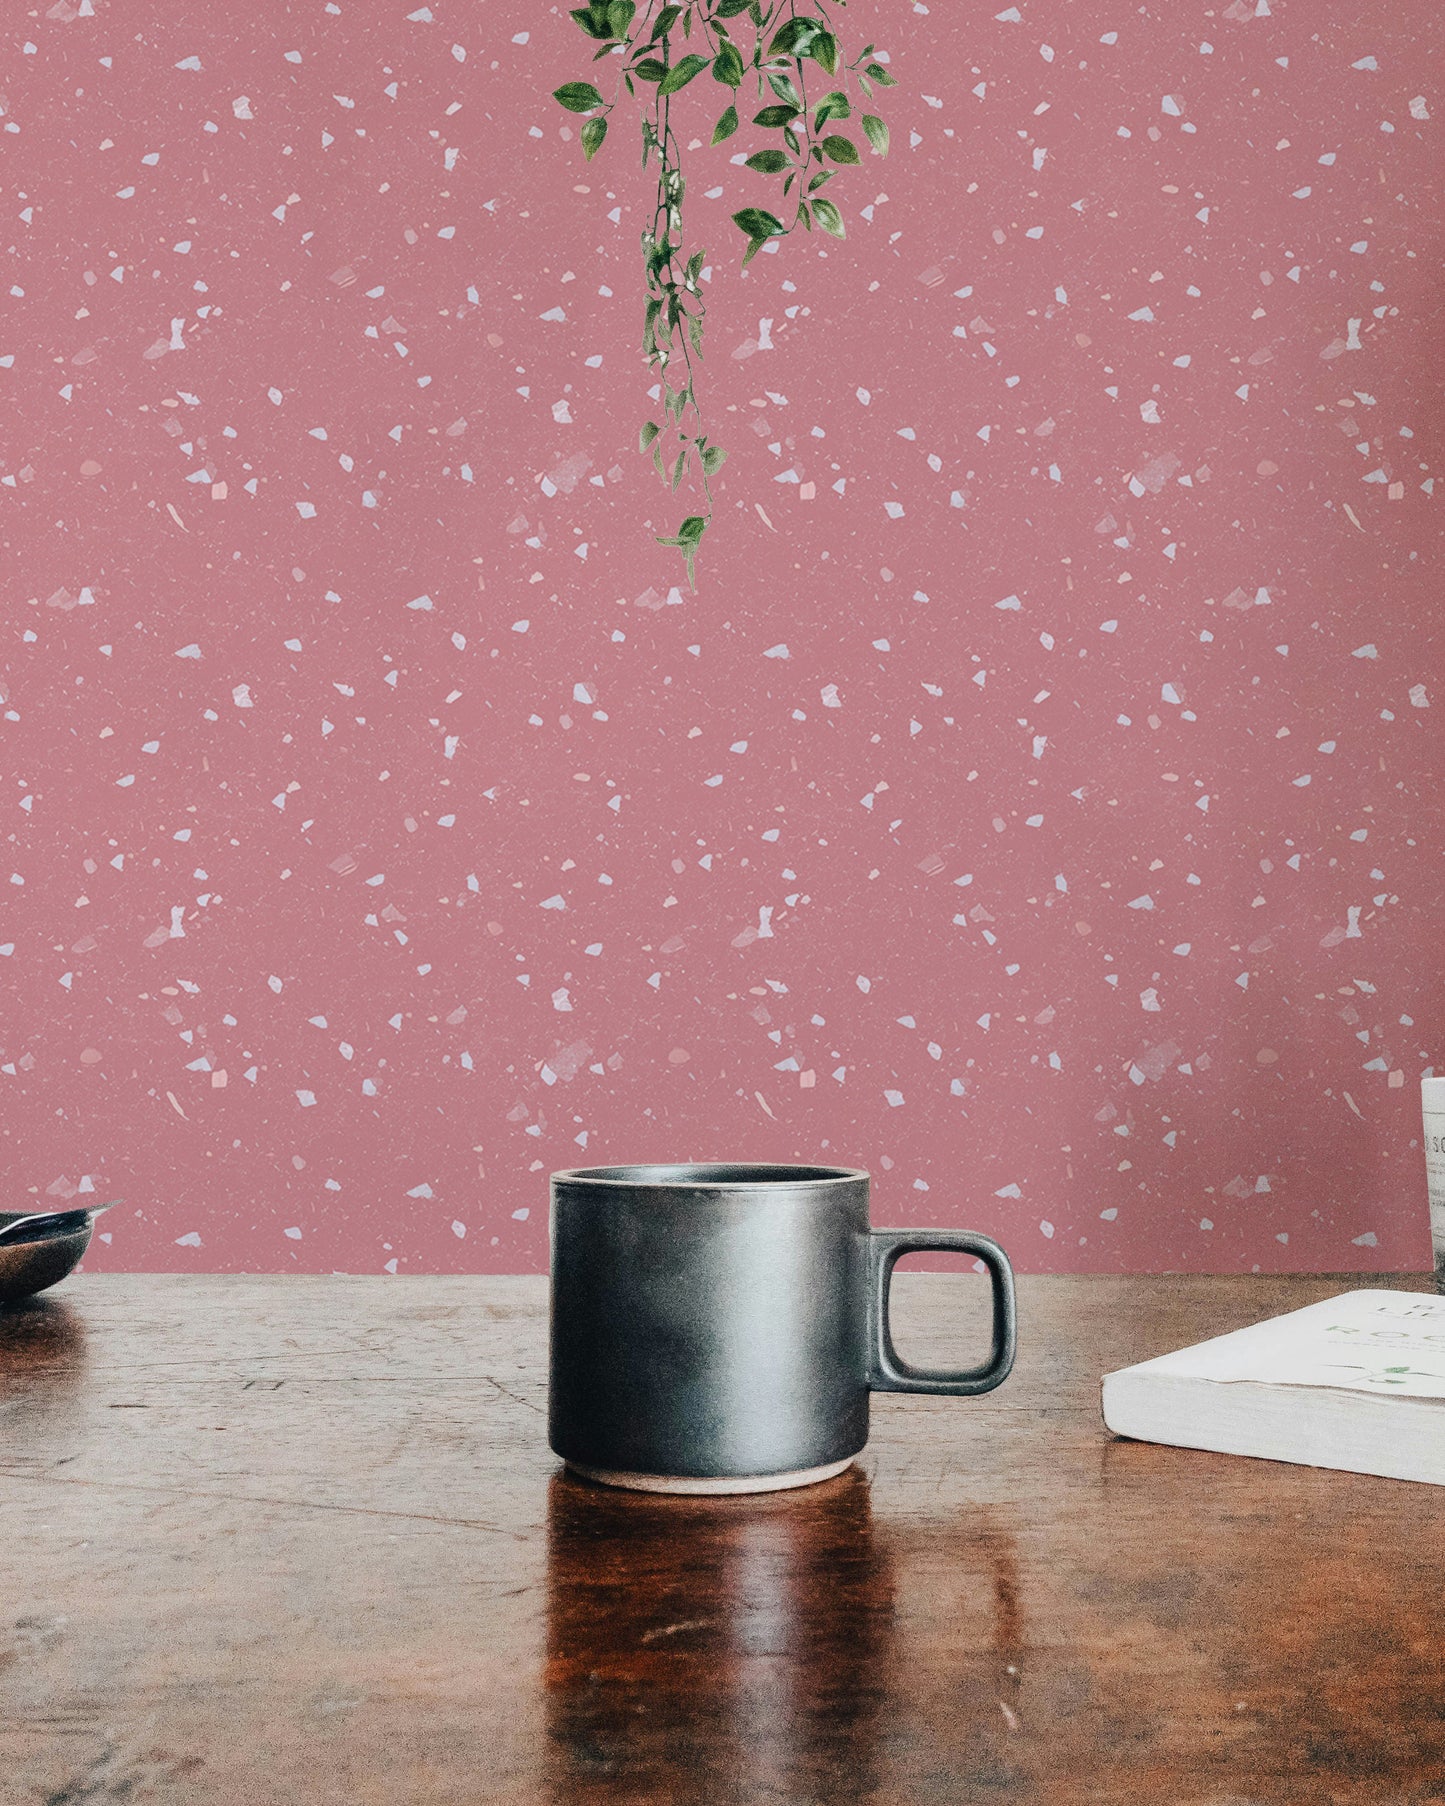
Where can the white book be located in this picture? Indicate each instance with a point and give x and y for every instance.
(1354, 1382)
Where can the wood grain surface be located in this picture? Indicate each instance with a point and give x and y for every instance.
(301, 1540)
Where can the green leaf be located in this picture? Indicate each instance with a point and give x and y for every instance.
(657, 462)
(793, 37)
(729, 9)
(593, 132)
(694, 332)
(785, 91)
(865, 84)
(828, 217)
(831, 106)
(841, 150)
(650, 70)
(725, 126)
(591, 24)
(619, 16)
(824, 51)
(771, 116)
(770, 162)
(578, 97)
(678, 468)
(649, 432)
(680, 74)
(757, 223)
(664, 22)
(823, 175)
(876, 133)
(727, 66)
(881, 75)
(686, 540)
(713, 459)
(805, 216)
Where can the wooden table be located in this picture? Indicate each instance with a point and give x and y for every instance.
(301, 1540)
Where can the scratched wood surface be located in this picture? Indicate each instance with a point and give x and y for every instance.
(301, 1539)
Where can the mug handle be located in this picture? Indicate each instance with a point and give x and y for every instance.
(891, 1373)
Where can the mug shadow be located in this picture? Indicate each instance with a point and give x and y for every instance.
(727, 1649)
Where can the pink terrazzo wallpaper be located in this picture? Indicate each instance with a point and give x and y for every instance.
(1037, 803)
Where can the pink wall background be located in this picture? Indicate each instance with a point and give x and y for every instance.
(1039, 801)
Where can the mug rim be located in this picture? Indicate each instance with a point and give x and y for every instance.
(710, 1175)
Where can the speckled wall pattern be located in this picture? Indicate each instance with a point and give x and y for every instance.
(1038, 802)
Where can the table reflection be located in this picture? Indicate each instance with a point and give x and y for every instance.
(42, 1363)
(735, 1649)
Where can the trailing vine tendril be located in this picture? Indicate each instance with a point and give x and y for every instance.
(810, 152)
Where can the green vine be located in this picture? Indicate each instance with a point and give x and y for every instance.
(807, 157)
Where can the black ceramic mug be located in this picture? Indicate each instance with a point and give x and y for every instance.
(719, 1328)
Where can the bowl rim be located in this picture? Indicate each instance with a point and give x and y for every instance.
(712, 1175)
(86, 1228)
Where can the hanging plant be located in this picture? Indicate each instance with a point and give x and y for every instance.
(809, 152)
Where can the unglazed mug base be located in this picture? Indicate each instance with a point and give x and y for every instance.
(712, 1486)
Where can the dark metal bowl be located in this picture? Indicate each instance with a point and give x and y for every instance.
(31, 1266)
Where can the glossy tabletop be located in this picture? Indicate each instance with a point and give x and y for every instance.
(301, 1539)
